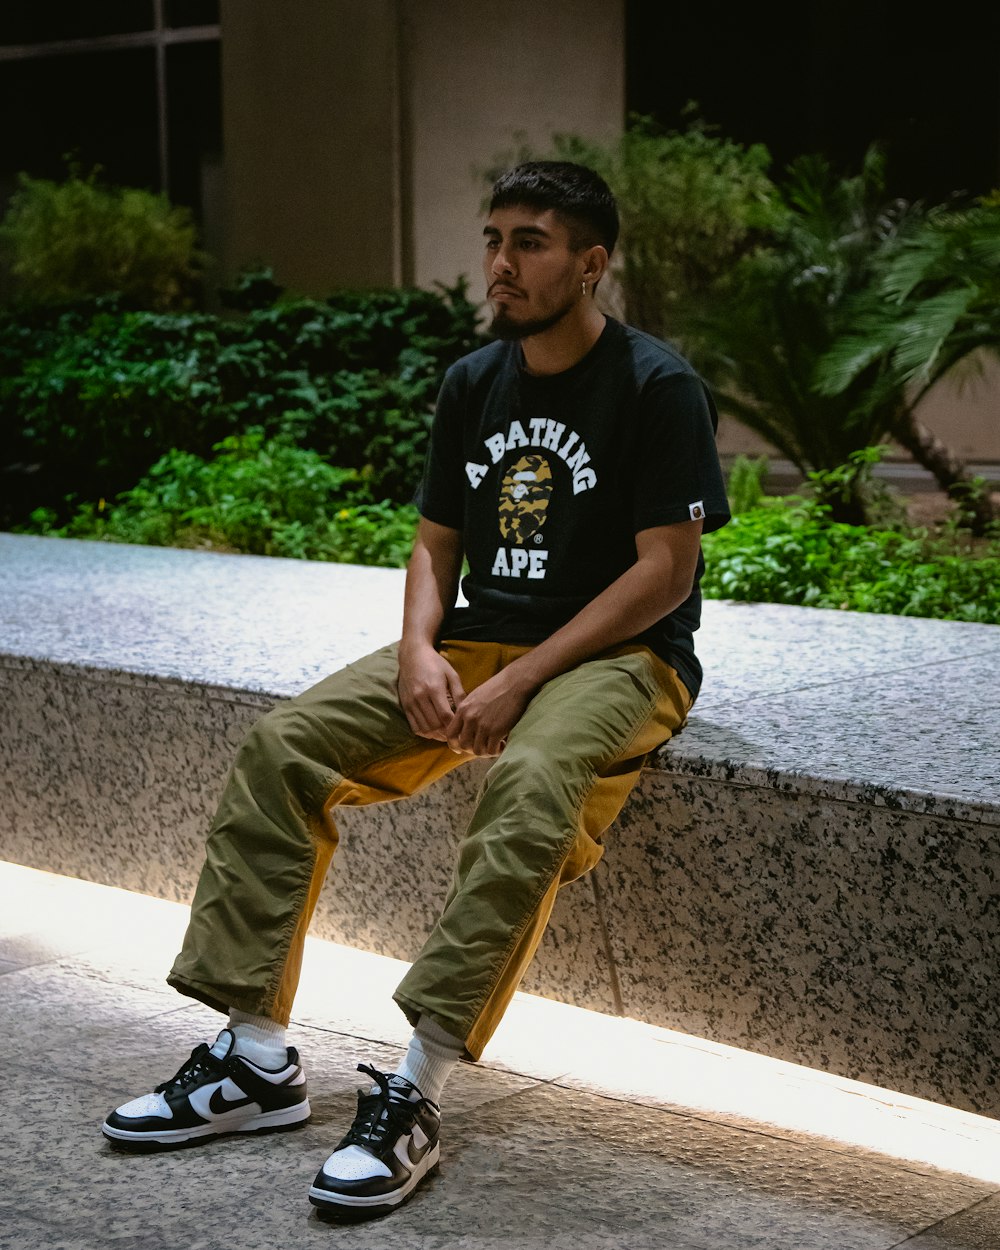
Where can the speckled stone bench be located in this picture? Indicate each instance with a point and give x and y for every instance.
(809, 870)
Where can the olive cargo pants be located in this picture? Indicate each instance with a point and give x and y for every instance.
(568, 766)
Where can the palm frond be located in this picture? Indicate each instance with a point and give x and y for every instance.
(951, 247)
(850, 356)
(917, 261)
(924, 333)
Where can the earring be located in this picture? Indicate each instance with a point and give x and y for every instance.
(584, 285)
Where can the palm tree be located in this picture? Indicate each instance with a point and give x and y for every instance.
(934, 310)
(784, 306)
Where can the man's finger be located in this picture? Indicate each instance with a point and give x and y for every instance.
(456, 734)
(423, 719)
(442, 708)
(414, 716)
(456, 691)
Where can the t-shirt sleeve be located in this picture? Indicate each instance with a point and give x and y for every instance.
(439, 496)
(677, 472)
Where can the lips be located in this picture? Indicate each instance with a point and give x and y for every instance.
(497, 291)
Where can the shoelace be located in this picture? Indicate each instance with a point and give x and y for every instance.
(201, 1061)
(382, 1116)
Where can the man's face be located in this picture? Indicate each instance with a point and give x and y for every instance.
(533, 276)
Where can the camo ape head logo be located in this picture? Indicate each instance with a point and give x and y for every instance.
(524, 498)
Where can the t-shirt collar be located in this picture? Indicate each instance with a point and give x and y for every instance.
(548, 379)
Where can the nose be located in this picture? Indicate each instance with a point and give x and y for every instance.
(501, 263)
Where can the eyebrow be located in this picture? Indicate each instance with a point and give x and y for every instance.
(518, 231)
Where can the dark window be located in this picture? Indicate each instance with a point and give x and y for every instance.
(98, 109)
(832, 78)
(193, 109)
(88, 106)
(191, 13)
(45, 21)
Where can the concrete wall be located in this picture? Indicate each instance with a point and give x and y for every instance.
(353, 128)
(965, 411)
(479, 84)
(310, 138)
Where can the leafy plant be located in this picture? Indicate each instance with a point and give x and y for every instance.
(264, 497)
(934, 309)
(691, 204)
(789, 551)
(92, 394)
(81, 237)
(254, 288)
(937, 302)
(784, 305)
(745, 485)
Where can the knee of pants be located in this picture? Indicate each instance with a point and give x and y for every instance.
(527, 824)
(287, 749)
(271, 737)
(530, 796)
(526, 790)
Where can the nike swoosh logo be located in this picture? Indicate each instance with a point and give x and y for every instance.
(219, 1104)
(414, 1152)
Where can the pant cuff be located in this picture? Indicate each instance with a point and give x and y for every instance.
(413, 1011)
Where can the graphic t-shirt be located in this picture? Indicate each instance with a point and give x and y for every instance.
(550, 478)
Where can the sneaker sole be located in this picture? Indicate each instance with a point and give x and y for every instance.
(375, 1204)
(285, 1120)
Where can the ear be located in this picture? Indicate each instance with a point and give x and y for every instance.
(595, 260)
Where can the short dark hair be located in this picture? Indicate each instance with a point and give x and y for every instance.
(575, 193)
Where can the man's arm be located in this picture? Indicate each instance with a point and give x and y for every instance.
(429, 688)
(658, 582)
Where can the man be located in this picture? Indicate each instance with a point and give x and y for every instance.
(573, 463)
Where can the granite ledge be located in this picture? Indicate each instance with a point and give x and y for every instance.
(844, 789)
(106, 674)
(672, 760)
(898, 712)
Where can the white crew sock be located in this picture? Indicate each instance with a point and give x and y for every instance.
(259, 1039)
(430, 1059)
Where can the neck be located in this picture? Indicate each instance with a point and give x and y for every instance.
(560, 346)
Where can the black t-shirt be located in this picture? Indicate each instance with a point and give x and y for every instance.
(550, 478)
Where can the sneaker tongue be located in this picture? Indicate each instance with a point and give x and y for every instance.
(223, 1044)
(400, 1085)
(404, 1087)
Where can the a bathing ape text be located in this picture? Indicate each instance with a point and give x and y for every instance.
(545, 433)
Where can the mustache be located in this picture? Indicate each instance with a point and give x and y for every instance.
(507, 286)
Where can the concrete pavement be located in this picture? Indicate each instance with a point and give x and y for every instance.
(578, 1130)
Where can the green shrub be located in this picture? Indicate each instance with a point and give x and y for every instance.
(788, 551)
(80, 238)
(263, 497)
(253, 288)
(268, 497)
(91, 395)
(745, 484)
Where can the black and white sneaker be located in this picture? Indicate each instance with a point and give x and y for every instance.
(213, 1093)
(391, 1147)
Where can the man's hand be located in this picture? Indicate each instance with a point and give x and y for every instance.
(484, 718)
(429, 691)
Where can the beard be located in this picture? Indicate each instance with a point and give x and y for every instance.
(505, 327)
